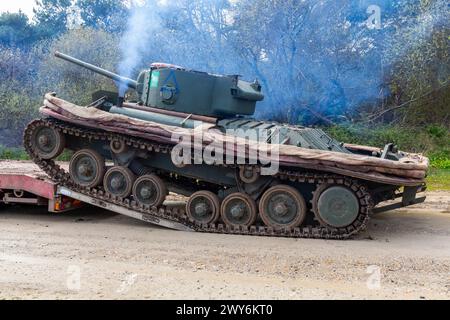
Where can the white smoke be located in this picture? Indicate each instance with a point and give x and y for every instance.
(141, 28)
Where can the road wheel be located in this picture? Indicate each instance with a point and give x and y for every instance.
(335, 206)
(47, 143)
(150, 190)
(118, 181)
(87, 168)
(203, 207)
(239, 209)
(282, 207)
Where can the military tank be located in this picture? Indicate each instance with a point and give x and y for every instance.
(125, 153)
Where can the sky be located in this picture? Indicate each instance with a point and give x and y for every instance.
(13, 6)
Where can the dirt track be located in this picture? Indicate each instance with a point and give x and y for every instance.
(44, 256)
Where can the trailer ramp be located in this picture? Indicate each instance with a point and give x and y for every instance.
(121, 210)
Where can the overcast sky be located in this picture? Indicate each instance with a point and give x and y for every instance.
(14, 5)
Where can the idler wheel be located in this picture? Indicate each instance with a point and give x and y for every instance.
(282, 207)
(87, 168)
(239, 209)
(203, 207)
(118, 181)
(335, 206)
(150, 190)
(47, 143)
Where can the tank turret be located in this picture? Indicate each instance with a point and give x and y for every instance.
(173, 88)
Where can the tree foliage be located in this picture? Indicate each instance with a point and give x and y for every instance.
(26, 75)
(420, 76)
(15, 29)
(318, 61)
(52, 17)
(108, 15)
(72, 82)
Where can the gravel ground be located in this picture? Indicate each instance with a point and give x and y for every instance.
(94, 254)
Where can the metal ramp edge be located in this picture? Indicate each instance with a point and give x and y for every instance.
(118, 209)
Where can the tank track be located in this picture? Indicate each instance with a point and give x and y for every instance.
(60, 176)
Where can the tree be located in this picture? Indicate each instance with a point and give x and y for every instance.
(73, 82)
(20, 95)
(15, 30)
(195, 33)
(419, 78)
(103, 14)
(316, 59)
(52, 17)
(191, 33)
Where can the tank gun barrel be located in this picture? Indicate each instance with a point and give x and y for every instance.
(123, 80)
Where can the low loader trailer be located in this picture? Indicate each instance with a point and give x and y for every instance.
(23, 183)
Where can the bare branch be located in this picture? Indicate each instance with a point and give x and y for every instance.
(380, 114)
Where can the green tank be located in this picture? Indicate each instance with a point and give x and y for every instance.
(321, 187)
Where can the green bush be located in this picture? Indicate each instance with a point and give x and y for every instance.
(433, 141)
(438, 179)
(440, 159)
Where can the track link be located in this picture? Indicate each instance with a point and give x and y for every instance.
(60, 176)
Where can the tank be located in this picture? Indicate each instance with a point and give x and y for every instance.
(270, 179)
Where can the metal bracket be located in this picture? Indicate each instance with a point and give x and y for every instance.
(98, 102)
(125, 158)
(386, 150)
(409, 195)
(408, 199)
(186, 119)
(397, 205)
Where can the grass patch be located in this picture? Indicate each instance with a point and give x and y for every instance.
(440, 159)
(13, 154)
(65, 156)
(20, 154)
(439, 179)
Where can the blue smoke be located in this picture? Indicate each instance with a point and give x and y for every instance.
(315, 59)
